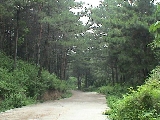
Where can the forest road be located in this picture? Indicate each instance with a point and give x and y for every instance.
(81, 106)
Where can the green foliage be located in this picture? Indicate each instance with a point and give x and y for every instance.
(155, 74)
(113, 90)
(13, 90)
(113, 94)
(15, 100)
(112, 99)
(143, 103)
(5, 62)
(52, 82)
(72, 82)
(140, 104)
(155, 28)
(122, 29)
(66, 94)
(22, 86)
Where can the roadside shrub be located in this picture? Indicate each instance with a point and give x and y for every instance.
(9, 83)
(15, 100)
(155, 74)
(23, 86)
(52, 82)
(6, 62)
(116, 90)
(63, 86)
(112, 99)
(72, 83)
(12, 89)
(140, 104)
(113, 94)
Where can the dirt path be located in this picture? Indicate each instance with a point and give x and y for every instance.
(81, 106)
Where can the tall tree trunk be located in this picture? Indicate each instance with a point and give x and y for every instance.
(2, 31)
(63, 64)
(79, 82)
(113, 81)
(38, 44)
(26, 57)
(116, 72)
(11, 43)
(26, 51)
(87, 78)
(46, 61)
(16, 40)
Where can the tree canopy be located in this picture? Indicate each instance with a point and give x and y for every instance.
(112, 47)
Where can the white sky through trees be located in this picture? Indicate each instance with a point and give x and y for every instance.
(94, 3)
(91, 2)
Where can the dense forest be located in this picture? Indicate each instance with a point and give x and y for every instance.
(44, 46)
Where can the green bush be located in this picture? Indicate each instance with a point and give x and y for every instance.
(116, 90)
(142, 104)
(113, 94)
(9, 83)
(15, 100)
(112, 99)
(6, 62)
(52, 82)
(12, 89)
(23, 86)
(72, 83)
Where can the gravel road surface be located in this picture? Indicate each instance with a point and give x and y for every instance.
(81, 106)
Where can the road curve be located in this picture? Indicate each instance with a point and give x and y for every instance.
(81, 106)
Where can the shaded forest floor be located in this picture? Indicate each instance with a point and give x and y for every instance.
(81, 106)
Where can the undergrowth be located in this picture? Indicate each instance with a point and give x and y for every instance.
(23, 86)
(113, 93)
(140, 104)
